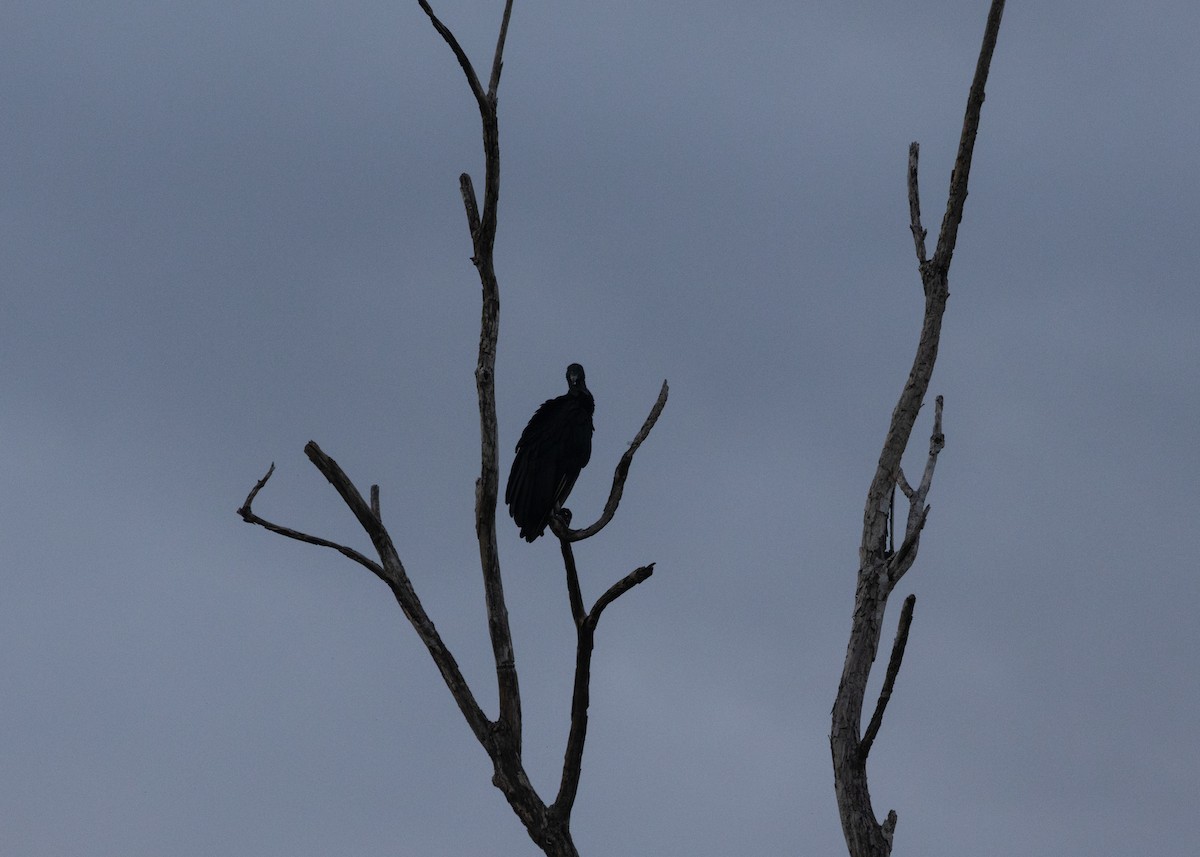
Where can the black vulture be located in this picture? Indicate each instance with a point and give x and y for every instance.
(552, 450)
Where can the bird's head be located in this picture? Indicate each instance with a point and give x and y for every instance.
(575, 378)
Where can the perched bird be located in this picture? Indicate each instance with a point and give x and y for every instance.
(552, 450)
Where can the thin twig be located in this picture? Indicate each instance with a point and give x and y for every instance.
(914, 202)
(618, 589)
(471, 204)
(459, 53)
(250, 518)
(258, 486)
(937, 442)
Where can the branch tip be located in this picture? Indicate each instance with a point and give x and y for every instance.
(244, 510)
(626, 583)
(459, 53)
(498, 61)
(914, 203)
(959, 176)
(471, 204)
(621, 473)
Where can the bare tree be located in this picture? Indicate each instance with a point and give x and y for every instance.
(881, 565)
(548, 824)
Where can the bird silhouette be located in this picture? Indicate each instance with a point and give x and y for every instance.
(555, 446)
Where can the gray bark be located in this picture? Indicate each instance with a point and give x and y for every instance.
(880, 566)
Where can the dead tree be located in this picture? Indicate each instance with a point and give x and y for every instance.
(881, 564)
(548, 823)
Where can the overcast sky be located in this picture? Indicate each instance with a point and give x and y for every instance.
(229, 228)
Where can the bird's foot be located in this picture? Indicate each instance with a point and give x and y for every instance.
(564, 516)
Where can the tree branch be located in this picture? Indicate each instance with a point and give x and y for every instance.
(580, 697)
(880, 568)
(914, 202)
(580, 694)
(957, 197)
(390, 572)
(250, 518)
(618, 589)
(937, 442)
(467, 189)
(889, 680)
(459, 53)
(918, 511)
(933, 277)
(549, 827)
(585, 623)
(498, 61)
(902, 560)
(483, 236)
(619, 477)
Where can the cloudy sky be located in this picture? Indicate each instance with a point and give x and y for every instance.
(229, 228)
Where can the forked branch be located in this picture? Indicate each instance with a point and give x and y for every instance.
(879, 566)
(247, 515)
(586, 620)
(390, 570)
(585, 629)
(918, 510)
(548, 826)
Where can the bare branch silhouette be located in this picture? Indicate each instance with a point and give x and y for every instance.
(249, 517)
(585, 628)
(619, 477)
(548, 826)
